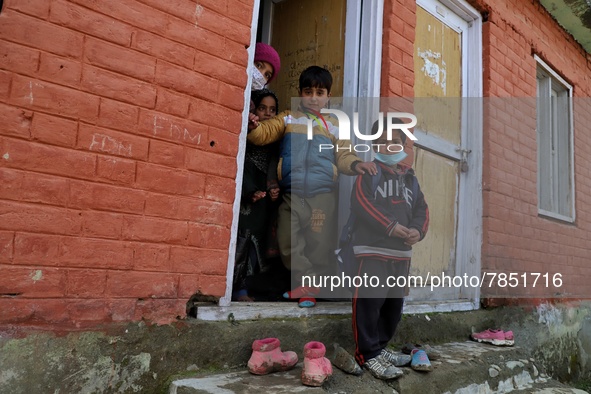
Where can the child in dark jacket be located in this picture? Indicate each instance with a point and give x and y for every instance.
(390, 219)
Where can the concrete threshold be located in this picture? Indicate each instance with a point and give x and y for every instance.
(265, 310)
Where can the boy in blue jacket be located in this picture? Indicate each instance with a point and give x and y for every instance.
(390, 219)
(308, 175)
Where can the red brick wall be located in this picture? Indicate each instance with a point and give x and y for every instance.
(398, 48)
(516, 238)
(118, 137)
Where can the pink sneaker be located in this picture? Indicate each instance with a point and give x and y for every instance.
(494, 337)
(317, 368)
(267, 357)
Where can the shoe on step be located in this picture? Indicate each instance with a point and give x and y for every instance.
(431, 352)
(420, 361)
(341, 359)
(494, 337)
(317, 368)
(267, 357)
(382, 369)
(397, 360)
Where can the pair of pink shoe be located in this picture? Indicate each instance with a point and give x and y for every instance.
(267, 357)
(494, 337)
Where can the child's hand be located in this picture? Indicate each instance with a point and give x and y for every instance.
(253, 121)
(258, 195)
(368, 166)
(274, 193)
(413, 237)
(400, 231)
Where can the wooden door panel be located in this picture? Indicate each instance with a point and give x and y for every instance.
(437, 105)
(307, 33)
(438, 76)
(438, 177)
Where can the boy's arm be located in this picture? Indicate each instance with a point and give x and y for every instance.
(420, 213)
(363, 202)
(345, 158)
(268, 131)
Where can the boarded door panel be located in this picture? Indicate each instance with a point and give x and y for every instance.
(438, 75)
(307, 33)
(438, 177)
(438, 88)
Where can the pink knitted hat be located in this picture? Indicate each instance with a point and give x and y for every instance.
(266, 53)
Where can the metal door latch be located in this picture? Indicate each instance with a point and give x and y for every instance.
(464, 167)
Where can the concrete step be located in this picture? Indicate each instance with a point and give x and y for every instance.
(464, 368)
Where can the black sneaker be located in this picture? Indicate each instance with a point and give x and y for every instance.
(382, 369)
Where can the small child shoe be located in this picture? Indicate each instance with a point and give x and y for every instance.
(420, 361)
(431, 352)
(382, 369)
(341, 359)
(494, 337)
(397, 360)
(301, 291)
(267, 357)
(317, 368)
(307, 302)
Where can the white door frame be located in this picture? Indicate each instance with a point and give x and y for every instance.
(227, 298)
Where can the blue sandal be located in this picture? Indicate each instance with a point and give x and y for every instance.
(420, 361)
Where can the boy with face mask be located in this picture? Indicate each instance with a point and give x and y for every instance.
(390, 219)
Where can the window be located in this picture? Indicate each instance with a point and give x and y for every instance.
(555, 145)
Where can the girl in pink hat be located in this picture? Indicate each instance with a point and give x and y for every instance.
(260, 190)
(266, 65)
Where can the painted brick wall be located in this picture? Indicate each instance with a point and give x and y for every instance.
(516, 238)
(118, 137)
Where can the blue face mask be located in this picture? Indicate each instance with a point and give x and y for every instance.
(391, 160)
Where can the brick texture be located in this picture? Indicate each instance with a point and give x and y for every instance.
(105, 154)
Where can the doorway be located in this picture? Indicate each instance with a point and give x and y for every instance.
(357, 27)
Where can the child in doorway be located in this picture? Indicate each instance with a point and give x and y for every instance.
(309, 178)
(259, 188)
(390, 219)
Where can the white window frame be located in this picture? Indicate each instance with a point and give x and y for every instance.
(562, 192)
